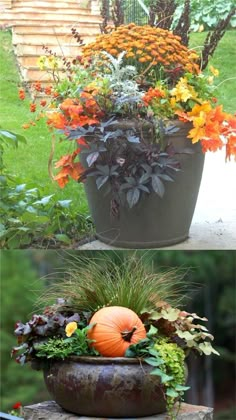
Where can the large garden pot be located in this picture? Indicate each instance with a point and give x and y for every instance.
(154, 221)
(105, 387)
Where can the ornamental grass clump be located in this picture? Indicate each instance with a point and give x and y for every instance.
(119, 105)
(100, 317)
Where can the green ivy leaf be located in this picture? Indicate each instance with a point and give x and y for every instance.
(180, 388)
(171, 393)
(152, 331)
(153, 361)
(166, 378)
(130, 352)
(153, 352)
(156, 371)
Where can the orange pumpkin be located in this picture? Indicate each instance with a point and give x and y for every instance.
(115, 329)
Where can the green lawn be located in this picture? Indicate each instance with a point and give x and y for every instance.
(30, 161)
(224, 61)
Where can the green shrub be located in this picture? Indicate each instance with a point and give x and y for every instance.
(27, 215)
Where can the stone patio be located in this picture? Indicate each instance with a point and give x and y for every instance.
(49, 410)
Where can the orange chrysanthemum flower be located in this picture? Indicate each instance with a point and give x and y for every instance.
(142, 44)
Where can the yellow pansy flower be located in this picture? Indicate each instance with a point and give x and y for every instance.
(71, 328)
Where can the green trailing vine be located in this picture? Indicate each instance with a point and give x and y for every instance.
(173, 358)
(167, 360)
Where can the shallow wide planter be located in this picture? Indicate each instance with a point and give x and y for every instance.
(154, 222)
(105, 387)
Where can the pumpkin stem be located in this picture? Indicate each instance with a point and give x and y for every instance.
(127, 335)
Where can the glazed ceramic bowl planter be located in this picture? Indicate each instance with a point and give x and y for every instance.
(105, 387)
(153, 222)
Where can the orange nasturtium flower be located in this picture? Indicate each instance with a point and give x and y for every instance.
(198, 131)
(48, 90)
(69, 168)
(152, 94)
(71, 328)
(37, 86)
(33, 107)
(43, 102)
(211, 144)
(229, 132)
(56, 120)
(25, 126)
(231, 147)
(21, 94)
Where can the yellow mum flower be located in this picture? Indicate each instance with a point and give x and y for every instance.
(71, 328)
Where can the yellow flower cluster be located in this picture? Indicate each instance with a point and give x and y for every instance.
(183, 91)
(145, 45)
(48, 62)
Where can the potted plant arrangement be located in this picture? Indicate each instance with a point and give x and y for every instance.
(115, 342)
(138, 114)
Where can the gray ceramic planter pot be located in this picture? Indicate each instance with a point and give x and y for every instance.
(154, 222)
(105, 387)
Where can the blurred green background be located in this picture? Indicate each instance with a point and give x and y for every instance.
(213, 274)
